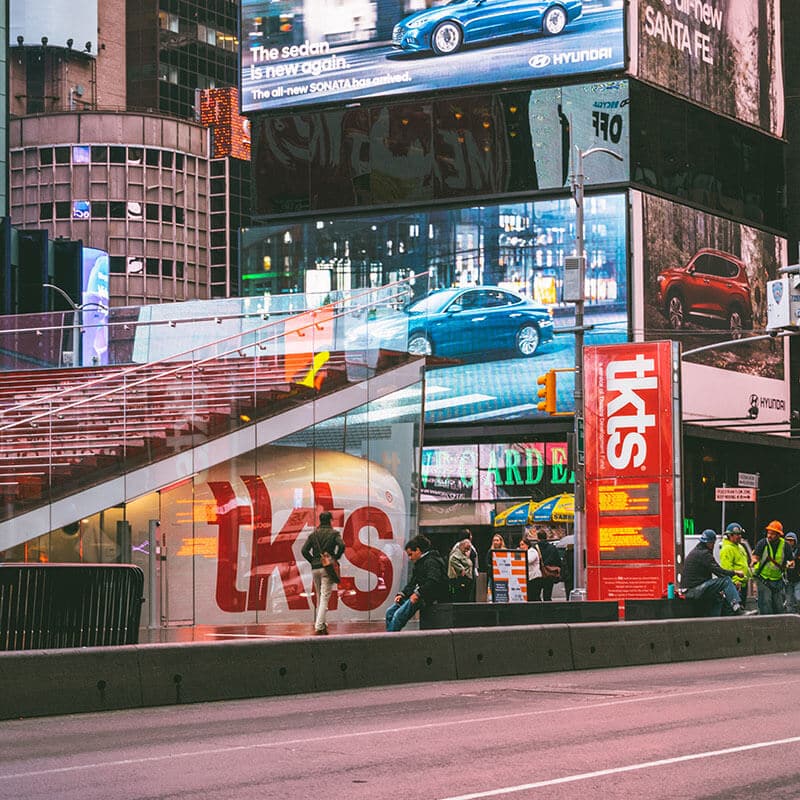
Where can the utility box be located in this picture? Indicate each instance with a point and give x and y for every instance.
(783, 303)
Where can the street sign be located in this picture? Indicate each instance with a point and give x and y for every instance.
(749, 479)
(734, 494)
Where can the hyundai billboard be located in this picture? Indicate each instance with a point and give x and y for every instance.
(722, 54)
(303, 52)
(704, 285)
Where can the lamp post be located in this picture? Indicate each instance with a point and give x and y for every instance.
(77, 320)
(575, 280)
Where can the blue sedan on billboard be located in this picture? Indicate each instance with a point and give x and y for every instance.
(444, 29)
(460, 322)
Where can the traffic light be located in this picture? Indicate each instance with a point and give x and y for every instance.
(547, 393)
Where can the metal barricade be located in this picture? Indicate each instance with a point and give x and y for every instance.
(69, 605)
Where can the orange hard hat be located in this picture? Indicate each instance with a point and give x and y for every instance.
(775, 526)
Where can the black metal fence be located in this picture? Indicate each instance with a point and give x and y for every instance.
(69, 605)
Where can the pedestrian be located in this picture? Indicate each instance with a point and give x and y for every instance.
(460, 572)
(528, 543)
(323, 544)
(549, 564)
(427, 584)
(734, 556)
(567, 568)
(705, 581)
(771, 557)
(466, 533)
(498, 543)
(792, 577)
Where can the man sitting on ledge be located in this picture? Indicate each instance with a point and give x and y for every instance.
(699, 582)
(427, 584)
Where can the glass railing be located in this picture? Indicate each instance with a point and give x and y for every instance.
(64, 429)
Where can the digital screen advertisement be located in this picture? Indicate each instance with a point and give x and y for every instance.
(95, 307)
(493, 300)
(531, 470)
(303, 52)
(724, 55)
(704, 284)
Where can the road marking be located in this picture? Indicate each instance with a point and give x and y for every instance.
(404, 729)
(600, 773)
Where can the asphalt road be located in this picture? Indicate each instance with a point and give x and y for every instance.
(714, 729)
(600, 33)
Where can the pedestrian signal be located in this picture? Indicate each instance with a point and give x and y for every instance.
(547, 394)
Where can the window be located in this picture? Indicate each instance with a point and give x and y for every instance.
(134, 210)
(117, 210)
(179, 162)
(80, 209)
(152, 212)
(45, 211)
(135, 155)
(99, 209)
(167, 268)
(166, 213)
(134, 265)
(81, 154)
(151, 266)
(116, 264)
(166, 159)
(179, 216)
(63, 210)
(99, 154)
(46, 156)
(117, 155)
(62, 155)
(179, 269)
(152, 158)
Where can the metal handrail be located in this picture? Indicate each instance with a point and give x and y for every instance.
(125, 373)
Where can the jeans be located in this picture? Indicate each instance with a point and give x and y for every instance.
(398, 614)
(770, 596)
(793, 597)
(710, 592)
(323, 586)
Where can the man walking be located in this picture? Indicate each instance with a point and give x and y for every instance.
(734, 556)
(427, 584)
(323, 544)
(706, 581)
(771, 557)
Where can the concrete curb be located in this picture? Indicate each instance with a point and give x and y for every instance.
(50, 682)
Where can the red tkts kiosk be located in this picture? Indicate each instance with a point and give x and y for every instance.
(633, 489)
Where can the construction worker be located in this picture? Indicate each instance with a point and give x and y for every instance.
(733, 555)
(792, 577)
(706, 582)
(771, 557)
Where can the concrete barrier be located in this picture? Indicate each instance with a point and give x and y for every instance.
(603, 645)
(45, 682)
(351, 662)
(524, 650)
(196, 672)
(712, 637)
(37, 683)
(662, 609)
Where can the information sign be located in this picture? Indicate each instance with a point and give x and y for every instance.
(734, 494)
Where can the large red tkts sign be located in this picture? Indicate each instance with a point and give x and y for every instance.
(632, 468)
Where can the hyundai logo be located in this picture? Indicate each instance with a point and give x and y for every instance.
(537, 62)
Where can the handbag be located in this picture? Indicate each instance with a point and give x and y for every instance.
(331, 566)
(548, 570)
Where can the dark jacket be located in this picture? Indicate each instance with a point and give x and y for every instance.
(700, 566)
(324, 540)
(549, 553)
(428, 579)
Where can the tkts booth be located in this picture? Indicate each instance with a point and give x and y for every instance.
(633, 480)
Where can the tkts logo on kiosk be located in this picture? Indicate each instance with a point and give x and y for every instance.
(631, 468)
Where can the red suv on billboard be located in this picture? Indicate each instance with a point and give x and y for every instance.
(713, 287)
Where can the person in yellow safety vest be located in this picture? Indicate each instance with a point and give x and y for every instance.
(734, 556)
(771, 557)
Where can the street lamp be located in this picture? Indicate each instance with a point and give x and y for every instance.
(77, 320)
(574, 290)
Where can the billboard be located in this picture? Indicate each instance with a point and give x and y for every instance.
(722, 54)
(492, 299)
(704, 283)
(303, 52)
(52, 22)
(94, 307)
(632, 469)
